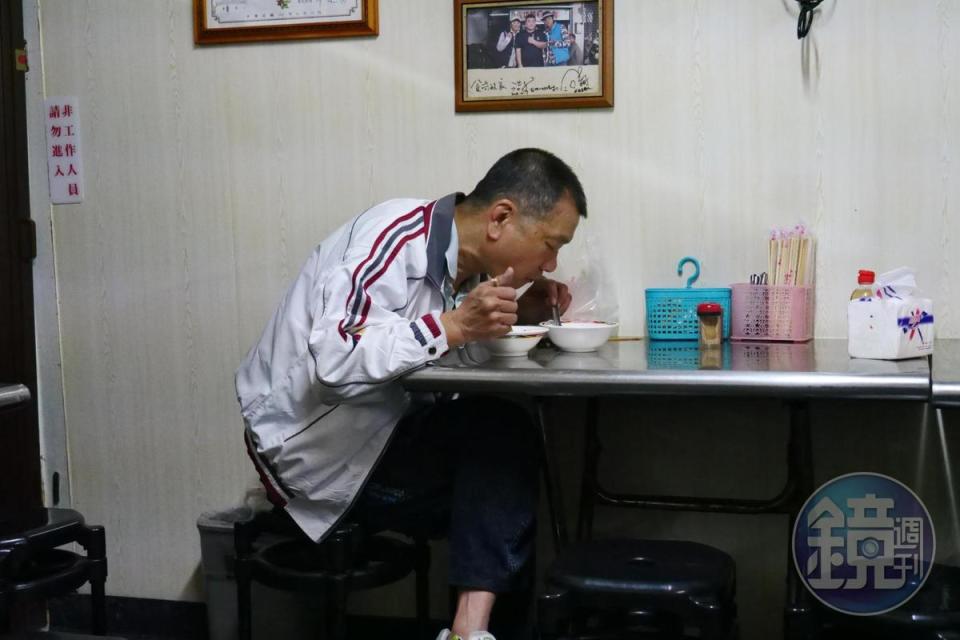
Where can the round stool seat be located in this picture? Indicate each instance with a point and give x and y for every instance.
(31, 562)
(303, 565)
(51, 571)
(348, 559)
(934, 608)
(634, 586)
(27, 526)
(651, 567)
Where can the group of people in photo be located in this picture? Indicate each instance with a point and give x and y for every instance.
(528, 44)
(539, 37)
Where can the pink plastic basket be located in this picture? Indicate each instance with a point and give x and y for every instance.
(771, 313)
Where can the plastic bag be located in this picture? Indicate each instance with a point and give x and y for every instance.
(900, 282)
(582, 268)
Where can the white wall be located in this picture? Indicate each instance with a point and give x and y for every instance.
(211, 172)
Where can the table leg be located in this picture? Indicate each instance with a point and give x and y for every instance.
(798, 623)
(551, 480)
(589, 480)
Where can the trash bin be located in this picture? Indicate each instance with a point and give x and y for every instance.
(276, 614)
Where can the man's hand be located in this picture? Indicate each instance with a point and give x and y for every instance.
(537, 303)
(487, 312)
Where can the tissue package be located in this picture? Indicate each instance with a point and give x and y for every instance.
(892, 324)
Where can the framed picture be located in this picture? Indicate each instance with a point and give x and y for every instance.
(227, 21)
(538, 54)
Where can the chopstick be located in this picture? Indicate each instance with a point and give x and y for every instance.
(789, 256)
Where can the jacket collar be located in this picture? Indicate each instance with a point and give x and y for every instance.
(441, 228)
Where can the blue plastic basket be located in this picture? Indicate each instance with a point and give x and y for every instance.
(672, 313)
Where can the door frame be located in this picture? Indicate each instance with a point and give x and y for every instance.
(50, 397)
(21, 487)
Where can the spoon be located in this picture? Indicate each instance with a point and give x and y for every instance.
(556, 315)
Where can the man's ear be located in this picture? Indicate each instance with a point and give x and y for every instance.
(499, 214)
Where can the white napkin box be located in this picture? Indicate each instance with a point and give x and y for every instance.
(892, 324)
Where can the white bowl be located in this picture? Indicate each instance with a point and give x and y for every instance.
(516, 343)
(579, 337)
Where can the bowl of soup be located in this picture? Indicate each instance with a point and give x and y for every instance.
(579, 337)
(517, 343)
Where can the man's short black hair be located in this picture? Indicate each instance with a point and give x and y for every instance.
(534, 179)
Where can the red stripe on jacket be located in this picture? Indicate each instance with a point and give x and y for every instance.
(403, 241)
(273, 492)
(432, 325)
(374, 251)
(424, 230)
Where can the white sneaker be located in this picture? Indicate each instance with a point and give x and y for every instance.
(475, 635)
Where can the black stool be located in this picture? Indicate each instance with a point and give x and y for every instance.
(932, 614)
(30, 563)
(618, 588)
(347, 560)
(622, 587)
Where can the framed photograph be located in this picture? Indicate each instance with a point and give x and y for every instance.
(228, 21)
(538, 54)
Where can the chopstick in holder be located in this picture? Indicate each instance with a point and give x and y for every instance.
(806, 267)
(798, 279)
(772, 276)
(772, 256)
(801, 238)
(802, 262)
(789, 256)
(788, 272)
(785, 260)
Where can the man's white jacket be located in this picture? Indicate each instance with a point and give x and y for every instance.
(318, 392)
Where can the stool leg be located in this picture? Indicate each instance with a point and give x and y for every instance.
(97, 554)
(338, 609)
(712, 628)
(243, 547)
(244, 614)
(4, 614)
(423, 586)
(342, 546)
(553, 612)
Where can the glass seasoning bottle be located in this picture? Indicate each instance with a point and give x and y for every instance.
(710, 317)
(864, 289)
(711, 358)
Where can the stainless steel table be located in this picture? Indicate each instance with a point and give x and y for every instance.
(796, 373)
(816, 369)
(11, 394)
(945, 375)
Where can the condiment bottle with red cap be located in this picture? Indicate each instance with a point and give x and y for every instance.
(710, 316)
(864, 289)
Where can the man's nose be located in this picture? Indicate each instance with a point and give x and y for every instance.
(550, 267)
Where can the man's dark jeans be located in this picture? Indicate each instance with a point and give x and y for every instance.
(467, 468)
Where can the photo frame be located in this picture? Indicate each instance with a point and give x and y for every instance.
(232, 21)
(538, 54)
